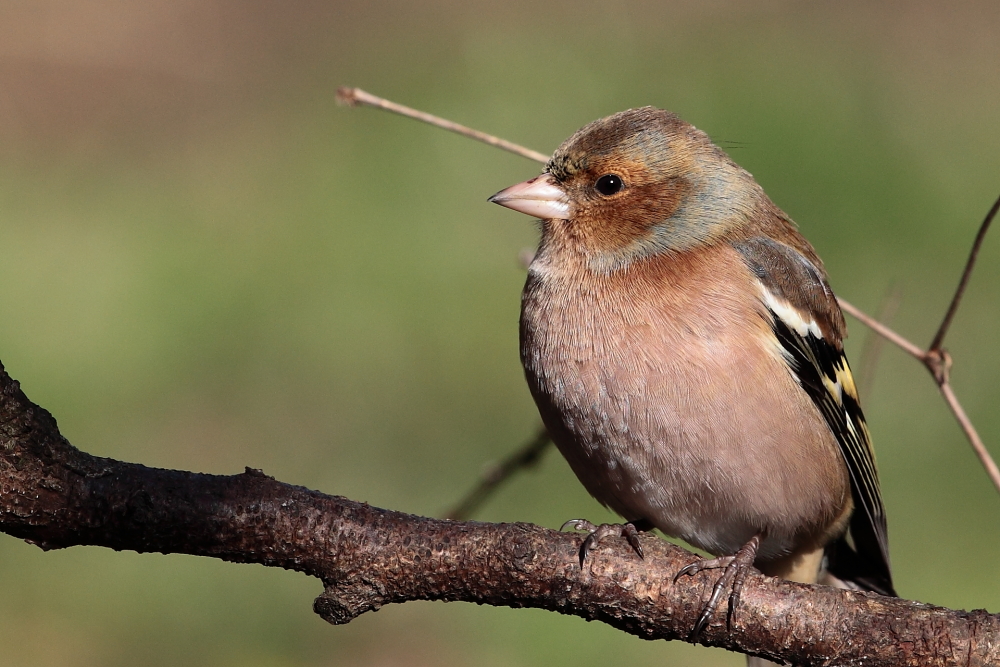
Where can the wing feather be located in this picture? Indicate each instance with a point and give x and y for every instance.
(809, 326)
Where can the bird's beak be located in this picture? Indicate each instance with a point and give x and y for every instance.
(540, 197)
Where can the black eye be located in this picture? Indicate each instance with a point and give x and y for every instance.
(609, 184)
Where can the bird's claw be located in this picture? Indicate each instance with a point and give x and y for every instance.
(700, 565)
(736, 569)
(598, 533)
(578, 524)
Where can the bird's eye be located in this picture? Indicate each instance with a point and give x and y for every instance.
(609, 184)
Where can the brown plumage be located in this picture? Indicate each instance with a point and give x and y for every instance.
(685, 352)
(662, 388)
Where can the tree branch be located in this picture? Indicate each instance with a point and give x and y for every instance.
(56, 496)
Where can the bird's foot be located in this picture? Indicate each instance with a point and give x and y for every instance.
(736, 567)
(630, 531)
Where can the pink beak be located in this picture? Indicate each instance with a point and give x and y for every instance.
(540, 197)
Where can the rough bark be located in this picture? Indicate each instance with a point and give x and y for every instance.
(56, 496)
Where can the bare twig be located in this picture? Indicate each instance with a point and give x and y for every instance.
(938, 362)
(960, 290)
(970, 432)
(497, 474)
(355, 96)
(882, 330)
(872, 349)
(936, 358)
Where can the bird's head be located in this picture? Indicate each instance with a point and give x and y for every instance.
(635, 184)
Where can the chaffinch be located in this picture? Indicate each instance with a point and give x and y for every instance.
(686, 355)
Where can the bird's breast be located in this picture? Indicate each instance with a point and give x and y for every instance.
(665, 390)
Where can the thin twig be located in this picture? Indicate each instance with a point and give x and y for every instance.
(883, 330)
(872, 349)
(977, 244)
(354, 96)
(497, 474)
(938, 363)
(971, 434)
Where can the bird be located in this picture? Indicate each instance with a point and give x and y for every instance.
(685, 351)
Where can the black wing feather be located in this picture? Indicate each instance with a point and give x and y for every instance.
(814, 352)
(812, 360)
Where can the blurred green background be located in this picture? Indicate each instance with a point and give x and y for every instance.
(205, 264)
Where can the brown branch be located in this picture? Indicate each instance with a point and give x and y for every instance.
(56, 496)
(495, 475)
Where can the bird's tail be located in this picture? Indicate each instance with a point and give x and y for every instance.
(860, 567)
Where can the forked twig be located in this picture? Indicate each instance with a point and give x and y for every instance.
(935, 358)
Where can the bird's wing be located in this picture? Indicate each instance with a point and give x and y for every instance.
(810, 327)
